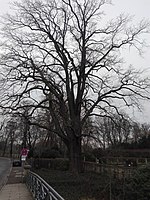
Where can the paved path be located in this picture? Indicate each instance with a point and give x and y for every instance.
(5, 166)
(15, 189)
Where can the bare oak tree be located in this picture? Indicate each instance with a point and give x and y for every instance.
(64, 57)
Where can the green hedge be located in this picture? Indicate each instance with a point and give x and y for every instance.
(57, 163)
(60, 164)
(138, 186)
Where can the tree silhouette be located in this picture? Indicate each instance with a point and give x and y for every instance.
(63, 57)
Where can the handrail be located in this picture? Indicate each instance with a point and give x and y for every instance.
(40, 189)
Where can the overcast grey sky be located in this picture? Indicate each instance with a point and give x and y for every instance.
(140, 9)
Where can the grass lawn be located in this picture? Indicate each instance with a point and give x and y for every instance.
(85, 186)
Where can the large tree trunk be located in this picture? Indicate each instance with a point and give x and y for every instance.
(75, 154)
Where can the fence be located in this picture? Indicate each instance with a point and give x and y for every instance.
(118, 171)
(40, 189)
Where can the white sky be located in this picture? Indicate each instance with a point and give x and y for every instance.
(140, 9)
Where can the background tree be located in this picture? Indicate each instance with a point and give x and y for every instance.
(63, 56)
(4, 140)
(112, 132)
(136, 131)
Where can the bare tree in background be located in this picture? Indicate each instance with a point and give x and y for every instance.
(62, 55)
(113, 132)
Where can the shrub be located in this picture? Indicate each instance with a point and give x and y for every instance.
(50, 153)
(56, 164)
(138, 187)
(60, 164)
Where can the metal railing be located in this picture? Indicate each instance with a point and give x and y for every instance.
(40, 189)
